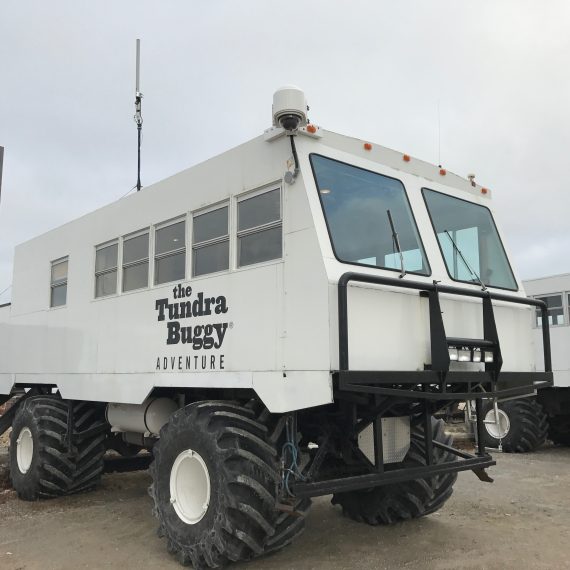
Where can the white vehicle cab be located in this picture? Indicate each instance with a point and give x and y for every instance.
(277, 323)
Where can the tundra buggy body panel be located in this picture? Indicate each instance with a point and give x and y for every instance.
(276, 331)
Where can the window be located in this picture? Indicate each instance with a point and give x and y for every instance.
(259, 228)
(211, 242)
(356, 203)
(106, 269)
(58, 296)
(170, 253)
(554, 309)
(478, 251)
(135, 261)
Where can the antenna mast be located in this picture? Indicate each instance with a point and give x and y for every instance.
(138, 114)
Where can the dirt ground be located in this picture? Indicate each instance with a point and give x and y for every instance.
(521, 521)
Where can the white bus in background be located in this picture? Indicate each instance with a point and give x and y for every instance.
(555, 292)
(525, 424)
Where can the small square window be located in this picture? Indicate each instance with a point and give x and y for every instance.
(211, 242)
(135, 262)
(260, 246)
(106, 273)
(58, 295)
(259, 210)
(555, 310)
(106, 257)
(260, 232)
(211, 258)
(170, 253)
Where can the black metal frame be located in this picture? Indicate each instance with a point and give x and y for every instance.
(438, 371)
(422, 392)
(318, 488)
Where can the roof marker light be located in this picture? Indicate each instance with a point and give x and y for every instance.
(367, 146)
(406, 158)
(442, 171)
(311, 129)
(484, 190)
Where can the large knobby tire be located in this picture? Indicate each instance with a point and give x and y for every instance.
(523, 425)
(289, 524)
(215, 477)
(396, 502)
(559, 430)
(42, 464)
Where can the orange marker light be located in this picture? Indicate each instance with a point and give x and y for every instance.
(442, 171)
(484, 190)
(406, 158)
(311, 129)
(367, 146)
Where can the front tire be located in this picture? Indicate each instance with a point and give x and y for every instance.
(394, 502)
(42, 464)
(215, 476)
(522, 427)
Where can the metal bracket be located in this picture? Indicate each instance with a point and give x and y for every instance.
(483, 475)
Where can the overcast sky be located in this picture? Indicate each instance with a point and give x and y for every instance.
(377, 70)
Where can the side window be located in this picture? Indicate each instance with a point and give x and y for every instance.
(211, 242)
(170, 253)
(259, 236)
(555, 310)
(135, 261)
(106, 269)
(58, 296)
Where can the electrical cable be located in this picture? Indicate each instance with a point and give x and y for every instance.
(295, 156)
(294, 468)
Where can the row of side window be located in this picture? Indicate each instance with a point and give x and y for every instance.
(259, 239)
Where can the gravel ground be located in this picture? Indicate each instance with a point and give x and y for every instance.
(520, 521)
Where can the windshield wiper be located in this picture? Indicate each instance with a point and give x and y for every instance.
(396, 243)
(473, 273)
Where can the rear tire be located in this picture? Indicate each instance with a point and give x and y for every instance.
(523, 425)
(394, 502)
(41, 464)
(223, 509)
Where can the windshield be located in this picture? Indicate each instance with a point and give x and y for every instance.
(356, 203)
(473, 230)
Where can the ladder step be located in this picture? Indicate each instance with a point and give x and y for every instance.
(470, 342)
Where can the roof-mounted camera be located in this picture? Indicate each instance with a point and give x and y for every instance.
(289, 108)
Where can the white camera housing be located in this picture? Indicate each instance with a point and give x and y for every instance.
(289, 108)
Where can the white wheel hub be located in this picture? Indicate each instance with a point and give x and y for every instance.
(24, 450)
(497, 430)
(190, 487)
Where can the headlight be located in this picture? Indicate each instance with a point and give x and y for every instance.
(464, 355)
